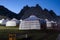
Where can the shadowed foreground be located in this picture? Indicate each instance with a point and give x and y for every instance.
(31, 34)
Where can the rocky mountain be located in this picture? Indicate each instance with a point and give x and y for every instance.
(5, 13)
(21, 13)
(38, 11)
(27, 11)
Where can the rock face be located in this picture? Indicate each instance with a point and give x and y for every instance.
(5, 13)
(37, 11)
(27, 11)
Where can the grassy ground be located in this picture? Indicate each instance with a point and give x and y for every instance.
(4, 27)
(32, 34)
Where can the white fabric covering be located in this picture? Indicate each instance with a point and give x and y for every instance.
(54, 23)
(48, 23)
(3, 21)
(17, 21)
(10, 23)
(29, 23)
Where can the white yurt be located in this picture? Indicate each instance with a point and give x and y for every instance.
(31, 22)
(54, 24)
(17, 21)
(3, 21)
(11, 23)
(48, 23)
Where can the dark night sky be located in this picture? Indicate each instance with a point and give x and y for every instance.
(17, 5)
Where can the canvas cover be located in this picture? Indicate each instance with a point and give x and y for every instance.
(3, 21)
(10, 23)
(17, 21)
(30, 23)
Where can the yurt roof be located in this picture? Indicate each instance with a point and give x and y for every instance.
(53, 22)
(14, 19)
(46, 20)
(3, 21)
(32, 17)
(20, 20)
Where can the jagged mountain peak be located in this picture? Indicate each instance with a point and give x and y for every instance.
(46, 9)
(27, 11)
(38, 6)
(38, 11)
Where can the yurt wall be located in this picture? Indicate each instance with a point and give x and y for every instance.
(10, 23)
(17, 21)
(29, 25)
(48, 24)
(3, 21)
(31, 22)
(54, 24)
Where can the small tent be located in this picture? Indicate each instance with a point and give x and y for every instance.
(3, 21)
(51, 24)
(17, 21)
(31, 22)
(48, 23)
(10, 23)
(54, 24)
